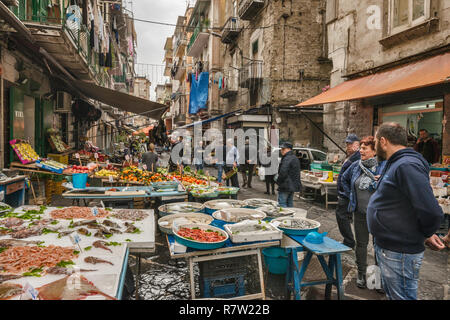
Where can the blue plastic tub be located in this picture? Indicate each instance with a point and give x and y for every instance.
(276, 260)
(79, 180)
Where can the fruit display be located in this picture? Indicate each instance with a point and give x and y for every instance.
(134, 174)
(24, 151)
(89, 156)
(81, 169)
(51, 165)
(105, 173)
(188, 180)
(56, 141)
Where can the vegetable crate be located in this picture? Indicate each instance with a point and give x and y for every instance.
(223, 287)
(64, 159)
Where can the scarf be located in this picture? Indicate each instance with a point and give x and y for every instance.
(368, 168)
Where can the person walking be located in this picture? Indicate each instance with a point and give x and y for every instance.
(427, 147)
(198, 156)
(218, 159)
(150, 158)
(247, 169)
(343, 217)
(288, 179)
(231, 162)
(270, 169)
(402, 214)
(359, 182)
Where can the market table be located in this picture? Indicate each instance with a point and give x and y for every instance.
(129, 193)
(109, 279)
(326, 188)
(230, 250)
(12, 191)
(333, 271)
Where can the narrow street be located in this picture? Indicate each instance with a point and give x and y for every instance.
(165, 279)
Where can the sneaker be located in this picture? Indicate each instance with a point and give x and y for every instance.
(380, 291)
(361, 281)
(266, 192)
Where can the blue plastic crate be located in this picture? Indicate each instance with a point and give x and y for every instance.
(223, 287)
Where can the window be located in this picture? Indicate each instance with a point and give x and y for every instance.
(319, 156)
(405, 14)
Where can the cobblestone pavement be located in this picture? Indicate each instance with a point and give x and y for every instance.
(163, 278)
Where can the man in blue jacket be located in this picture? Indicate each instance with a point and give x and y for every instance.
(343, 217)
(402, 214)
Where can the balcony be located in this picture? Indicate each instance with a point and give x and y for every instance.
(178, 70)
(248, 9)
(65, 38)
(251, 74)
(198, 41)
(230, 85)
(180, 47)
(180, 119)
(230, 30)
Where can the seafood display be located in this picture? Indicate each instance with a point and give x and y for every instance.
(102, 245)
(180, 207)
(94, 260)
(256, 203)
(12, 222)
(198, 234)
(78, 213)
(297, 223)
(64, 289)
(84, 232)
(251, 230)
(224, 204)
(18, 260)
(275, 211)
(111, 224)
(166, 223)
(66, 271)
(28, 232)
(7, 277)
(238, 214)
(9, 290)
(7, 243)
(134, 215)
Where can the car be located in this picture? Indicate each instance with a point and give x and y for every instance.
(307, 156)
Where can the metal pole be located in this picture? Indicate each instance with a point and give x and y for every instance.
(315, 125)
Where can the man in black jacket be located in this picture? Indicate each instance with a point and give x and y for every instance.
(343, 217)
(402, 214)
(288, 180)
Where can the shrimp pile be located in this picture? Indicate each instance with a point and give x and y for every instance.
(78, 213)
(17, 260)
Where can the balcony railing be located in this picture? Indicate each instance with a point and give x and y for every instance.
(251, 74)
(179, 45)
(230, 30)
(200, 35)
(38, 11)
(249, 8)
(230, 85)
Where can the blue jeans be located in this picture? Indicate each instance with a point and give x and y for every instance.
(286, 199)
(199, 167)
(399, 273)
(219, 172)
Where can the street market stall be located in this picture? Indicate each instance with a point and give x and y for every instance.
(87, 245)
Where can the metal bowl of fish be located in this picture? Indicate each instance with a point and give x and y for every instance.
(256, 203)
(238, 214)
(276, 211)
(165, 223)
(296, 226)
(214, 205)
(199, 236)
(179, 207)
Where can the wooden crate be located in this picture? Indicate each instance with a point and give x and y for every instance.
(64, 159)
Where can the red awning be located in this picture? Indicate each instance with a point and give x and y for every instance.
(424, 73)
(144, 130)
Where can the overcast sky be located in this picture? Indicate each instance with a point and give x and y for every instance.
(152, 37)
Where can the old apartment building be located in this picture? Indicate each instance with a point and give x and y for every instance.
(261, 58)
(391, 62)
